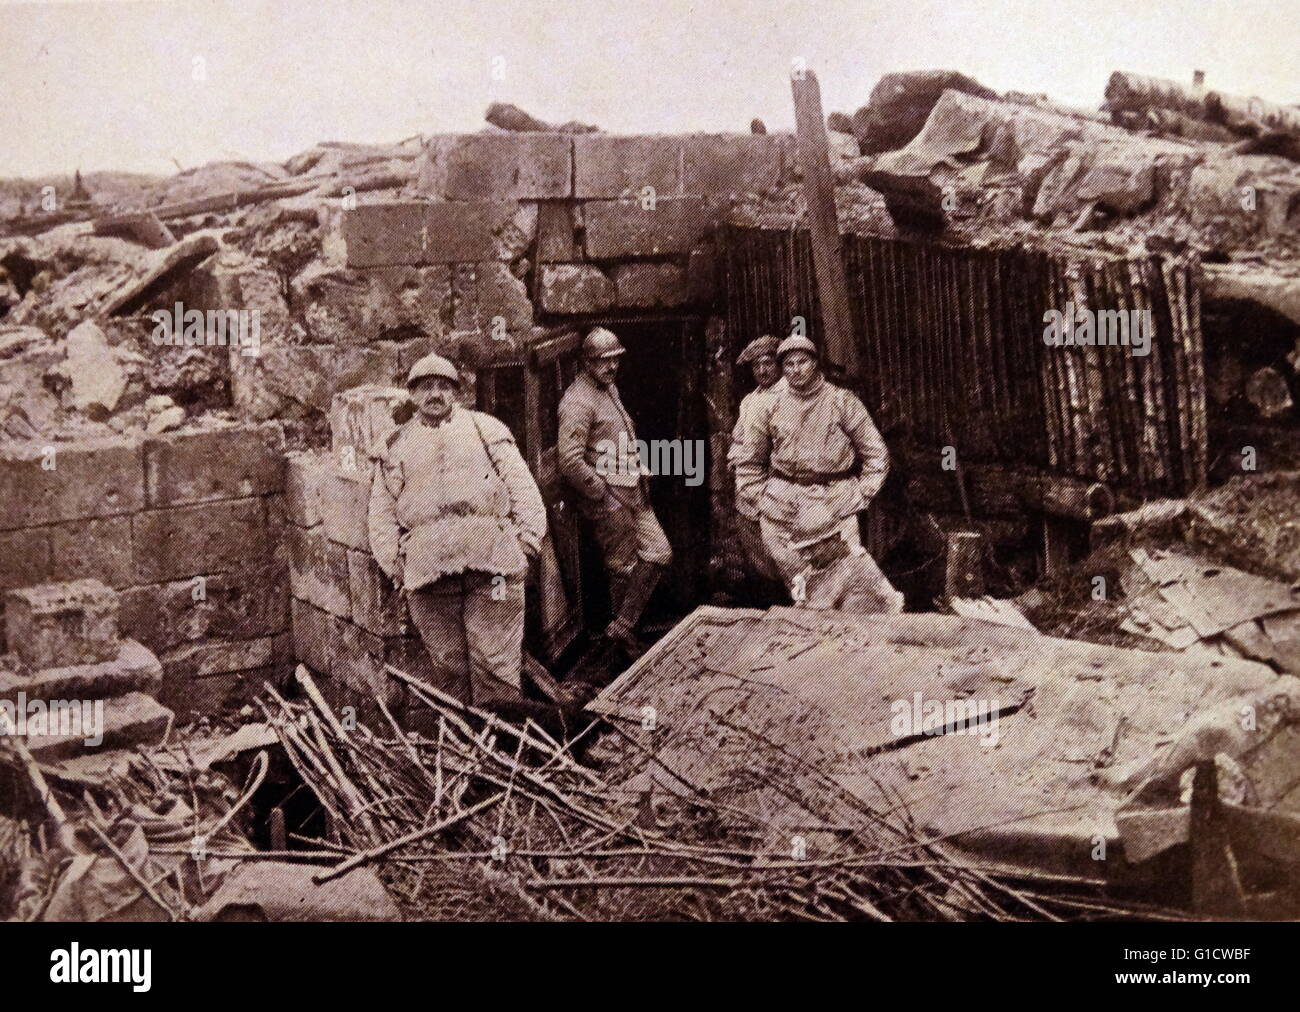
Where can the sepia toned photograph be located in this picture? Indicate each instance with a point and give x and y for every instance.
(748, 461)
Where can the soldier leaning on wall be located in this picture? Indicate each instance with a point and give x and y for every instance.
(455, 518)
(614, 500)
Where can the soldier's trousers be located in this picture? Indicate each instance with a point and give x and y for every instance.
(628, 533)
(473, 628)
(758, 560)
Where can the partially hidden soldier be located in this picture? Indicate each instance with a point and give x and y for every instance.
(760, 356)
(811, 443)
(836, 575)
(455, 517)
(595, 429)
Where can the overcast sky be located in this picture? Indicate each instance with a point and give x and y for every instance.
(147, 86)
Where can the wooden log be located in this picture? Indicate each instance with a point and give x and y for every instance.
(1138, 92)
(1101, 450)
(141, 226)
(1148, 375)
(1196, 373)
(840, 347)
(233, 199)
(1080, 464)
(1162, 367)
(1251, 115)
(1115, 275)
(1034, 296)
(1056, 546)
(1172, 272)
(1113, 366)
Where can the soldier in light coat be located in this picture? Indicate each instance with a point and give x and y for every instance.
(455, 517)
(760, 356)
(808, 444)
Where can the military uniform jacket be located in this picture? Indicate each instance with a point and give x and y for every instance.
(825, 431)
(750, 405)
(452, 498)
(592, 418)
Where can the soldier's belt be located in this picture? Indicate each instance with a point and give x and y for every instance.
(815, 477)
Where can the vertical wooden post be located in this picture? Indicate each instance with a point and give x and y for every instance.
(279, 838)
(839, 348)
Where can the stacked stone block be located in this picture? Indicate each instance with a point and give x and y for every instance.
(585, 224)
(69, 658)
(184, 526)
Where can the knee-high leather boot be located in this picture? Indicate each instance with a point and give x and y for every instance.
(640, 585)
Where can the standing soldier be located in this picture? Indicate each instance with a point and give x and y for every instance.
(455, 517)
(595, 428)
(810, 443)
(760, 356)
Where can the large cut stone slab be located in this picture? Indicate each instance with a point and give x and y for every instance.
(575, 289)
(361, 420)
(377, 606)
(97, 548)
(318, 570)
(610, 166)
(134, 669)
(500, 166)
(730, 163)
(43, 484)
(24, 557)
(616, 229)
(133, 719)
(240, 604)
(195, 540)
(649, 286)
(378, 235)
(355, 306)
(229, 463)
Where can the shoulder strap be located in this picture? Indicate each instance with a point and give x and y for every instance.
(486, 448)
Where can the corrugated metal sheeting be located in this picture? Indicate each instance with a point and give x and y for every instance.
(953, 350)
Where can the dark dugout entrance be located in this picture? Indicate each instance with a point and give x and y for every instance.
(662, 384)
(661, 381)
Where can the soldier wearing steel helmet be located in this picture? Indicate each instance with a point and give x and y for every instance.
(615, 500)
(810, 444)
(455, 517)
(836, 575)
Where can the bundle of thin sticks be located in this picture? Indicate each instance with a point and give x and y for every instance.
(485, 802)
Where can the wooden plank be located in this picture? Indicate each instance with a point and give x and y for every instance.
(1213, 598)
(840, 348)
(1196, 372)
(1056, 553)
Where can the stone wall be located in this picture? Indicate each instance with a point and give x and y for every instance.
(186, 526)
(509, 232)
